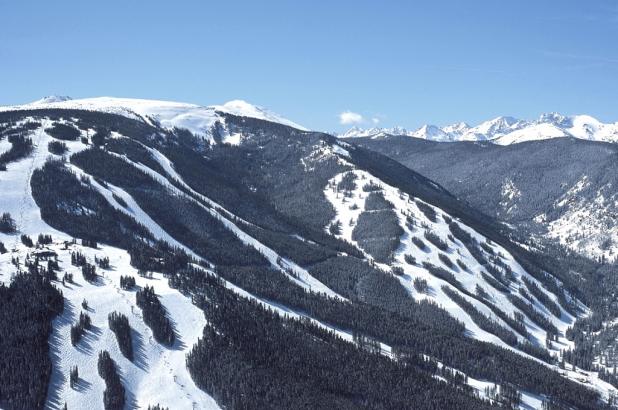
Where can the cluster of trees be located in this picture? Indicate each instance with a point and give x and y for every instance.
(533, 314)
(505, 394)
(154, 315)
(73, 377)
(446, 261)
(436, 240)
(78, 258)
(127, 282)
(7, 223)
(44, 239)
(347, 182)
(89, 272)
(90, 243)
(409, 259)
(420, 285)
(542, 297)
(57, 147)
(21, 147)
(27, 241)
(119, 324)
(378, 233)
(375, 201)
(419, 243)
(114, 394)
(78, 329)
(102, 263)
(427, 210)
(64, 132)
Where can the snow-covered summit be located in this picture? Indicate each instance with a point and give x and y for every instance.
(244, 109)
(52, 99)
(505, 130)
(196, 118)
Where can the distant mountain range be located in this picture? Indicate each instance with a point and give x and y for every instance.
(504, 130)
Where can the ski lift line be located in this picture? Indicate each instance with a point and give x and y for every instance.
(24, 198)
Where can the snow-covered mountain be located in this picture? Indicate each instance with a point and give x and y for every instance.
(198, 119)
(505, 130)
(289, 269)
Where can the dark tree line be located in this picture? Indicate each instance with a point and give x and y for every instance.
(27, 307)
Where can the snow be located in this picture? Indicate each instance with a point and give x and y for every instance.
(5, 145)
(244, 109)
(532, 133)
(341, 151)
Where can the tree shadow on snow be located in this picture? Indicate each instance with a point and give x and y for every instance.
(139, 351)
(88, 338)
(82, 385)
(58, 378)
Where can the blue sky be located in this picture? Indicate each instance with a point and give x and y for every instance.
(398, 62)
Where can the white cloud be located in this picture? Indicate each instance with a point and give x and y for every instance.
(375, 120)
(349, 117)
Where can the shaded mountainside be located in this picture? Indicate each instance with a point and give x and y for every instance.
(365, 284)
(563, 189)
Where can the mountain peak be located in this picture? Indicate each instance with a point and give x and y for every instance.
(52, 99)
(242, 108)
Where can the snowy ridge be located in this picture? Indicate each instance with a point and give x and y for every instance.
(196, 118)
(504, 130)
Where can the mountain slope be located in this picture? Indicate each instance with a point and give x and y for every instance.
(319, 231)
(561, 189)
